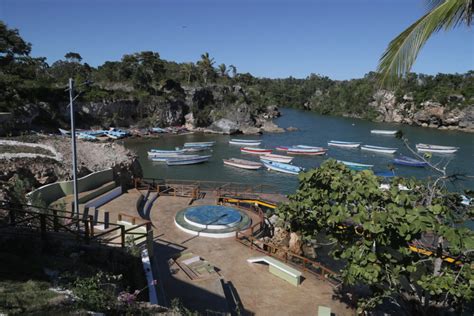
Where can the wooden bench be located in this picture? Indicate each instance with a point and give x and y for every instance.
(279, 269)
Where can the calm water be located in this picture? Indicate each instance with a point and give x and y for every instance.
(313, 130)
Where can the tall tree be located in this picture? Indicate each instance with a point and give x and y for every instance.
(206, 65)
(372, 230)
(233, 69)
(402, 51)
(73, 57)
(223, 71)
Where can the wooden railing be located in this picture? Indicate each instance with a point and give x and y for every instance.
(45, 220)
(299, 262)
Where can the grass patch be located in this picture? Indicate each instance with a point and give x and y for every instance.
(25, 297)
(24, 149)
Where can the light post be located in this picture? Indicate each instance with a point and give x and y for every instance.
(75, 210)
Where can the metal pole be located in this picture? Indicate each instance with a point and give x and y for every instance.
(73, 144)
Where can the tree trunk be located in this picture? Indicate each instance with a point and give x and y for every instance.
(438, 261)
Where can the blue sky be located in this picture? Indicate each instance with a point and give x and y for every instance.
(341, 39)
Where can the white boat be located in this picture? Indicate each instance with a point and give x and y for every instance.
(436, 149)
(186, 161)
(281, 167)
(244, 164)
(165, 154)
(200, 144)
(383, 131)
(177, 157)
(313, 151)
(64, 132)
(245, 142)
(355, 165)
(277, 158)
(336, 143)
(255, 151)
(378, 149)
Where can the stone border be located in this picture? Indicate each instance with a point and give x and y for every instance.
(56, 155)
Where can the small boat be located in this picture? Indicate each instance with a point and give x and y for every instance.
(436, 149)
(245, 142)
(378, 149)
(177, 157)
(336, 143)
(244, 164)
(158, 130)
(255, 151)
(355, 165)
(384, 132)
(385, 174)
(85, 136)
(282, 148)
(277, 158)
(194, 149)
(408, 161)
(200, 144)
(281, 167)
(64, 132)
(186, 161)
(315, 151)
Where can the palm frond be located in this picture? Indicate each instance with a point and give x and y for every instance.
(402, 51)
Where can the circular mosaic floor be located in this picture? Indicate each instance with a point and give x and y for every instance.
(215, 221)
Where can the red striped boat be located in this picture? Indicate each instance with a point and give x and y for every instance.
(255, 151)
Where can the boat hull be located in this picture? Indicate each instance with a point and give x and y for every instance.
(306, 152)
(355, 165)
(281, 167)
(244, 143)
(343, 144)
(242, 164)
(278, 158)
(380, 150)
(255, 151)
(383, 132)
(192, 161)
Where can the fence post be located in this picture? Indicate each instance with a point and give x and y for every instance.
(86, 230)
(106, 220)
(91, 221)
(55, 221)
(43, 226)
(122, 236)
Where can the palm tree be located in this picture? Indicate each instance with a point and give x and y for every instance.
(188, 69)
(223, 70)
(233, 69)
(206, 64)
(402, 51)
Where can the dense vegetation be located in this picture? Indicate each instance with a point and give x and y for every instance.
(371, 230)
(144, 76)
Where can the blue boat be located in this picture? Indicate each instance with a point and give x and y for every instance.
(158, 130)
(355, 165)
(200, 144)
(176, 161)
(408, 161)
(281, 167)
(385, 174)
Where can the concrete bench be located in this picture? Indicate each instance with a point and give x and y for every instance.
(279, 269)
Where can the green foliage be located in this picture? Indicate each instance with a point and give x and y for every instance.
(97, 292)
(26, 297)
(372, 229)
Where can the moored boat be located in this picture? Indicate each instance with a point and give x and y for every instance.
(176, 157)
(255, 151)
(408, 161)
(436, 148)
(355, 165)
(244, 164)
(315, 151)
(278, 158)
(245, 142)
(337, 143)
(384, 132)
(186, 161)
(379, 149)
(281, 167)
(199, 144)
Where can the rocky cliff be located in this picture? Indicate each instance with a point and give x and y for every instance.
(426, 114)
(213, 108)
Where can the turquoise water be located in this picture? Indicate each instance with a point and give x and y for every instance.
(212, 214)
(314, 130)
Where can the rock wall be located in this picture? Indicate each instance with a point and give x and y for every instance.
(214, 108)
(427, 114)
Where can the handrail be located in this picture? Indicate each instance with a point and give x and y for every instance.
(274, 251)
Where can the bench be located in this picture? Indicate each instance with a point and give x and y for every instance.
(279, 269)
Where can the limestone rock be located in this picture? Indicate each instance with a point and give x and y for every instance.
(225, 126)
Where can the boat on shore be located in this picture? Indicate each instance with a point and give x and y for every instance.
(379, 149)
(436, 149)
(314, 151)
(384, 132)
(408, 161)
(281, 167)
(255, 151)
(64, 132)
(245, 142)
(278, 158)
(355, 165)
(177, 161)
(337, 143)
(242, 163)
